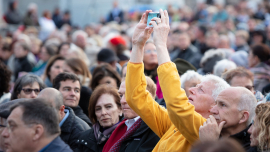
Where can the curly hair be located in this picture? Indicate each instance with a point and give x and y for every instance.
(5, 76)
(263, 123)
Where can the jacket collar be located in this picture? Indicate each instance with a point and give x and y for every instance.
(67, 125)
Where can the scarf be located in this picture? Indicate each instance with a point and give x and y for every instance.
(102, 137)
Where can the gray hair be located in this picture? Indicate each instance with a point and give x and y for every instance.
(247, 102)
(211, 54)
(25, 80)
(189, 75)
(222, 66)
(219, 83)
(77, 33)
(37, 111)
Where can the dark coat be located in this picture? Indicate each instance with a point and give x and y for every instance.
(243, 138)
(143, 140)
(87, 142)
(85, 98)
(57, 145)
(79, 113)
(190, 54)
(253, 149)
(22, 65)
(71, 129)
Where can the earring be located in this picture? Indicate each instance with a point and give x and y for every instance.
(120, 115)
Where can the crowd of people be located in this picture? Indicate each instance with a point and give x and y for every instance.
(196, 81)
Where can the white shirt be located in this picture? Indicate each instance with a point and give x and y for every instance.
(130, 122)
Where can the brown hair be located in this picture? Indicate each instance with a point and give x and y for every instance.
(262, 121)
(79, 67)
(262, 51)
(100, 90)
(151, 86)
(239, 71)
(102, 71)
(50, 64)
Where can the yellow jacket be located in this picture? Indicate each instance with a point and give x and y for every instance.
(178, 126)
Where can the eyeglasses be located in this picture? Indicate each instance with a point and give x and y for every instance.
(150, 51)
(29, 91)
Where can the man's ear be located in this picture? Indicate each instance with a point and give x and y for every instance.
(38, 132)
(244, 118)
(62, 108)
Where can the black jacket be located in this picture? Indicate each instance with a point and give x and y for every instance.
(87, 142)
(85, 98)
(253, 149)
(190, 54)
(143, 140)
(22, 65)
(71, 129)
(243, 138)
(79, 113)
(57, 145)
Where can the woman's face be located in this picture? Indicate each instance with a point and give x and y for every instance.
(254, 132)
(252, 60)
(56, 68)
(19, 52)
(64, 50)
(150, 54)
(29, 91)
(44, 56)
(108, 80)
(107, 111)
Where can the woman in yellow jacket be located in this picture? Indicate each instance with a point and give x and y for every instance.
(178, 126)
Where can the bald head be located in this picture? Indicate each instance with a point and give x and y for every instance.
(244, 99)
(53, 96)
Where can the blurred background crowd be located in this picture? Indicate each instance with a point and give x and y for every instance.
(230, 39)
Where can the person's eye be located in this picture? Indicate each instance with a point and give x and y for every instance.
(66, 89)
(97, 109)
(108, 82)
(78, 91)
(108, 106)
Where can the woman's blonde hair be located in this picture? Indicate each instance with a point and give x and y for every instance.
(263, 123)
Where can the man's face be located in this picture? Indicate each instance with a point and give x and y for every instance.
(128, 112)
(81, 42)
(2, 127)
(71, 92)
(17, 135)
(226, 108)
(201, 97)
(239, 81)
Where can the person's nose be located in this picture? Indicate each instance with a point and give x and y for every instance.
(103, 111)
(33, 94)
(5, 133)
(214, 110)
(250, 129)
(192, 90)
(123, 100)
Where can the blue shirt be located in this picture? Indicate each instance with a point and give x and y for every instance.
(64, 119)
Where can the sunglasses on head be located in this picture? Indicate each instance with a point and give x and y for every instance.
(29, 91)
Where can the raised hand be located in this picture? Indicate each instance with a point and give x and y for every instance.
(161, 28)
(210, 130)
(142, 33)
(161, 31)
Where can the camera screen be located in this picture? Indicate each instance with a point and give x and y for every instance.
(150, 16)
